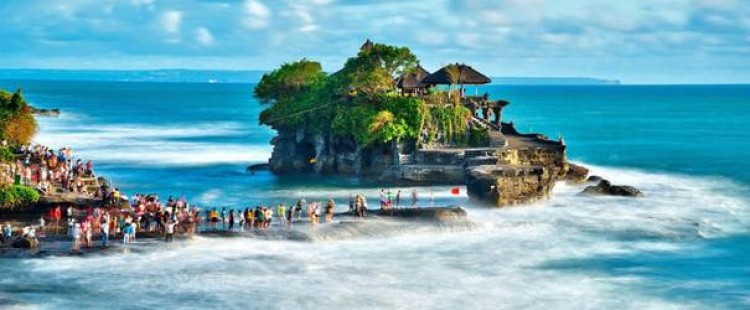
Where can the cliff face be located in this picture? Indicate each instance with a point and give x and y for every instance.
(524, 169)
(518, 176)
(301, 152)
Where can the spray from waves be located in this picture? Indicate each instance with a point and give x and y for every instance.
(533, 255)
(155, 145)
(675, 208)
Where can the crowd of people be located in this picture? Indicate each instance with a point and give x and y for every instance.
(48, 170)
(146, 213)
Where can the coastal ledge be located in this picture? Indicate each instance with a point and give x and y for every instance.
(377, 223)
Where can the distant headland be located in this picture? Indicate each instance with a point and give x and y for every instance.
(230, 76)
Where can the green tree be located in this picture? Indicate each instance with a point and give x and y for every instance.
(289, 80)
(16, 102)
(374, 70)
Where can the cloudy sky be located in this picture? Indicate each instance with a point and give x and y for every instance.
(637, 41)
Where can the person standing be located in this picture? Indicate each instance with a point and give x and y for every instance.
(414, 198)
(223, 217)
(57, 214)
(330, 207)
(76, 234)
(383, 199)
(398, 199)
(389, 201)
(105, 229)
(7, 232)
(281, 210)
(69, 213)
(231, 219)
(169, 230)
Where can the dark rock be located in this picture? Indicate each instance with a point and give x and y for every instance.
(595, 179)
(46, 112)
(258, 167)
(429, 213)
(576, 173)
(606, 188)
(25, 243)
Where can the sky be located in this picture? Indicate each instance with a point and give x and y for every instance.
(635, 41)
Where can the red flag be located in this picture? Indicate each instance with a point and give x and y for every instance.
(455, 191)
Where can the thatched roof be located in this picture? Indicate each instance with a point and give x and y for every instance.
(413, 79)
(463, 75)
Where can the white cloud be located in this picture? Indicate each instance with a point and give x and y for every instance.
(170, 21)
(257, 14)
(204, 36)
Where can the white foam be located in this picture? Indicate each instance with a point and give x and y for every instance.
(155, 145)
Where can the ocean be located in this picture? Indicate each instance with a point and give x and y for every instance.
(686, 244)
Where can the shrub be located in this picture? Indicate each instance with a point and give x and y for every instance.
(6, 155)
(17, 198)
(20, 128)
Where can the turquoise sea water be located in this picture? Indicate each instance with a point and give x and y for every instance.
(685, 245)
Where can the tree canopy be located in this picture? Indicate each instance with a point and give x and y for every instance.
(17, 125)
(357, 101)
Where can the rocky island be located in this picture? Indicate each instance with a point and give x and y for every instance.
(384, 116)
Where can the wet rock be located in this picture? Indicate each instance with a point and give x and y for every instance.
(594, 179)
(576, 173)
(25, 243)
(606, 188)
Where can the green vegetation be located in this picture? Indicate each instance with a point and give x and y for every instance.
(17, 198)
(6, 155)
(360, 101)
(17, 125)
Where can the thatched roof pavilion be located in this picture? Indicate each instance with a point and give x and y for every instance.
(457, 74)
(413, 80)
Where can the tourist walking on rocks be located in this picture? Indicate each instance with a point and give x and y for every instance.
(330, 207)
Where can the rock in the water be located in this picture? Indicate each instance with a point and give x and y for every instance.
(594, 179)
(576, 173)
(606, 188)
(46, 112)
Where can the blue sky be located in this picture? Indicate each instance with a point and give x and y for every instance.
(638, 41)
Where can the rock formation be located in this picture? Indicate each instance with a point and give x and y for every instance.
(606, 188)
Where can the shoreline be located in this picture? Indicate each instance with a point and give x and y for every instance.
(56, 242)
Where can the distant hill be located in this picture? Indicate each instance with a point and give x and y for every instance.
(553, 81)
(165, 75)
(221, 76)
